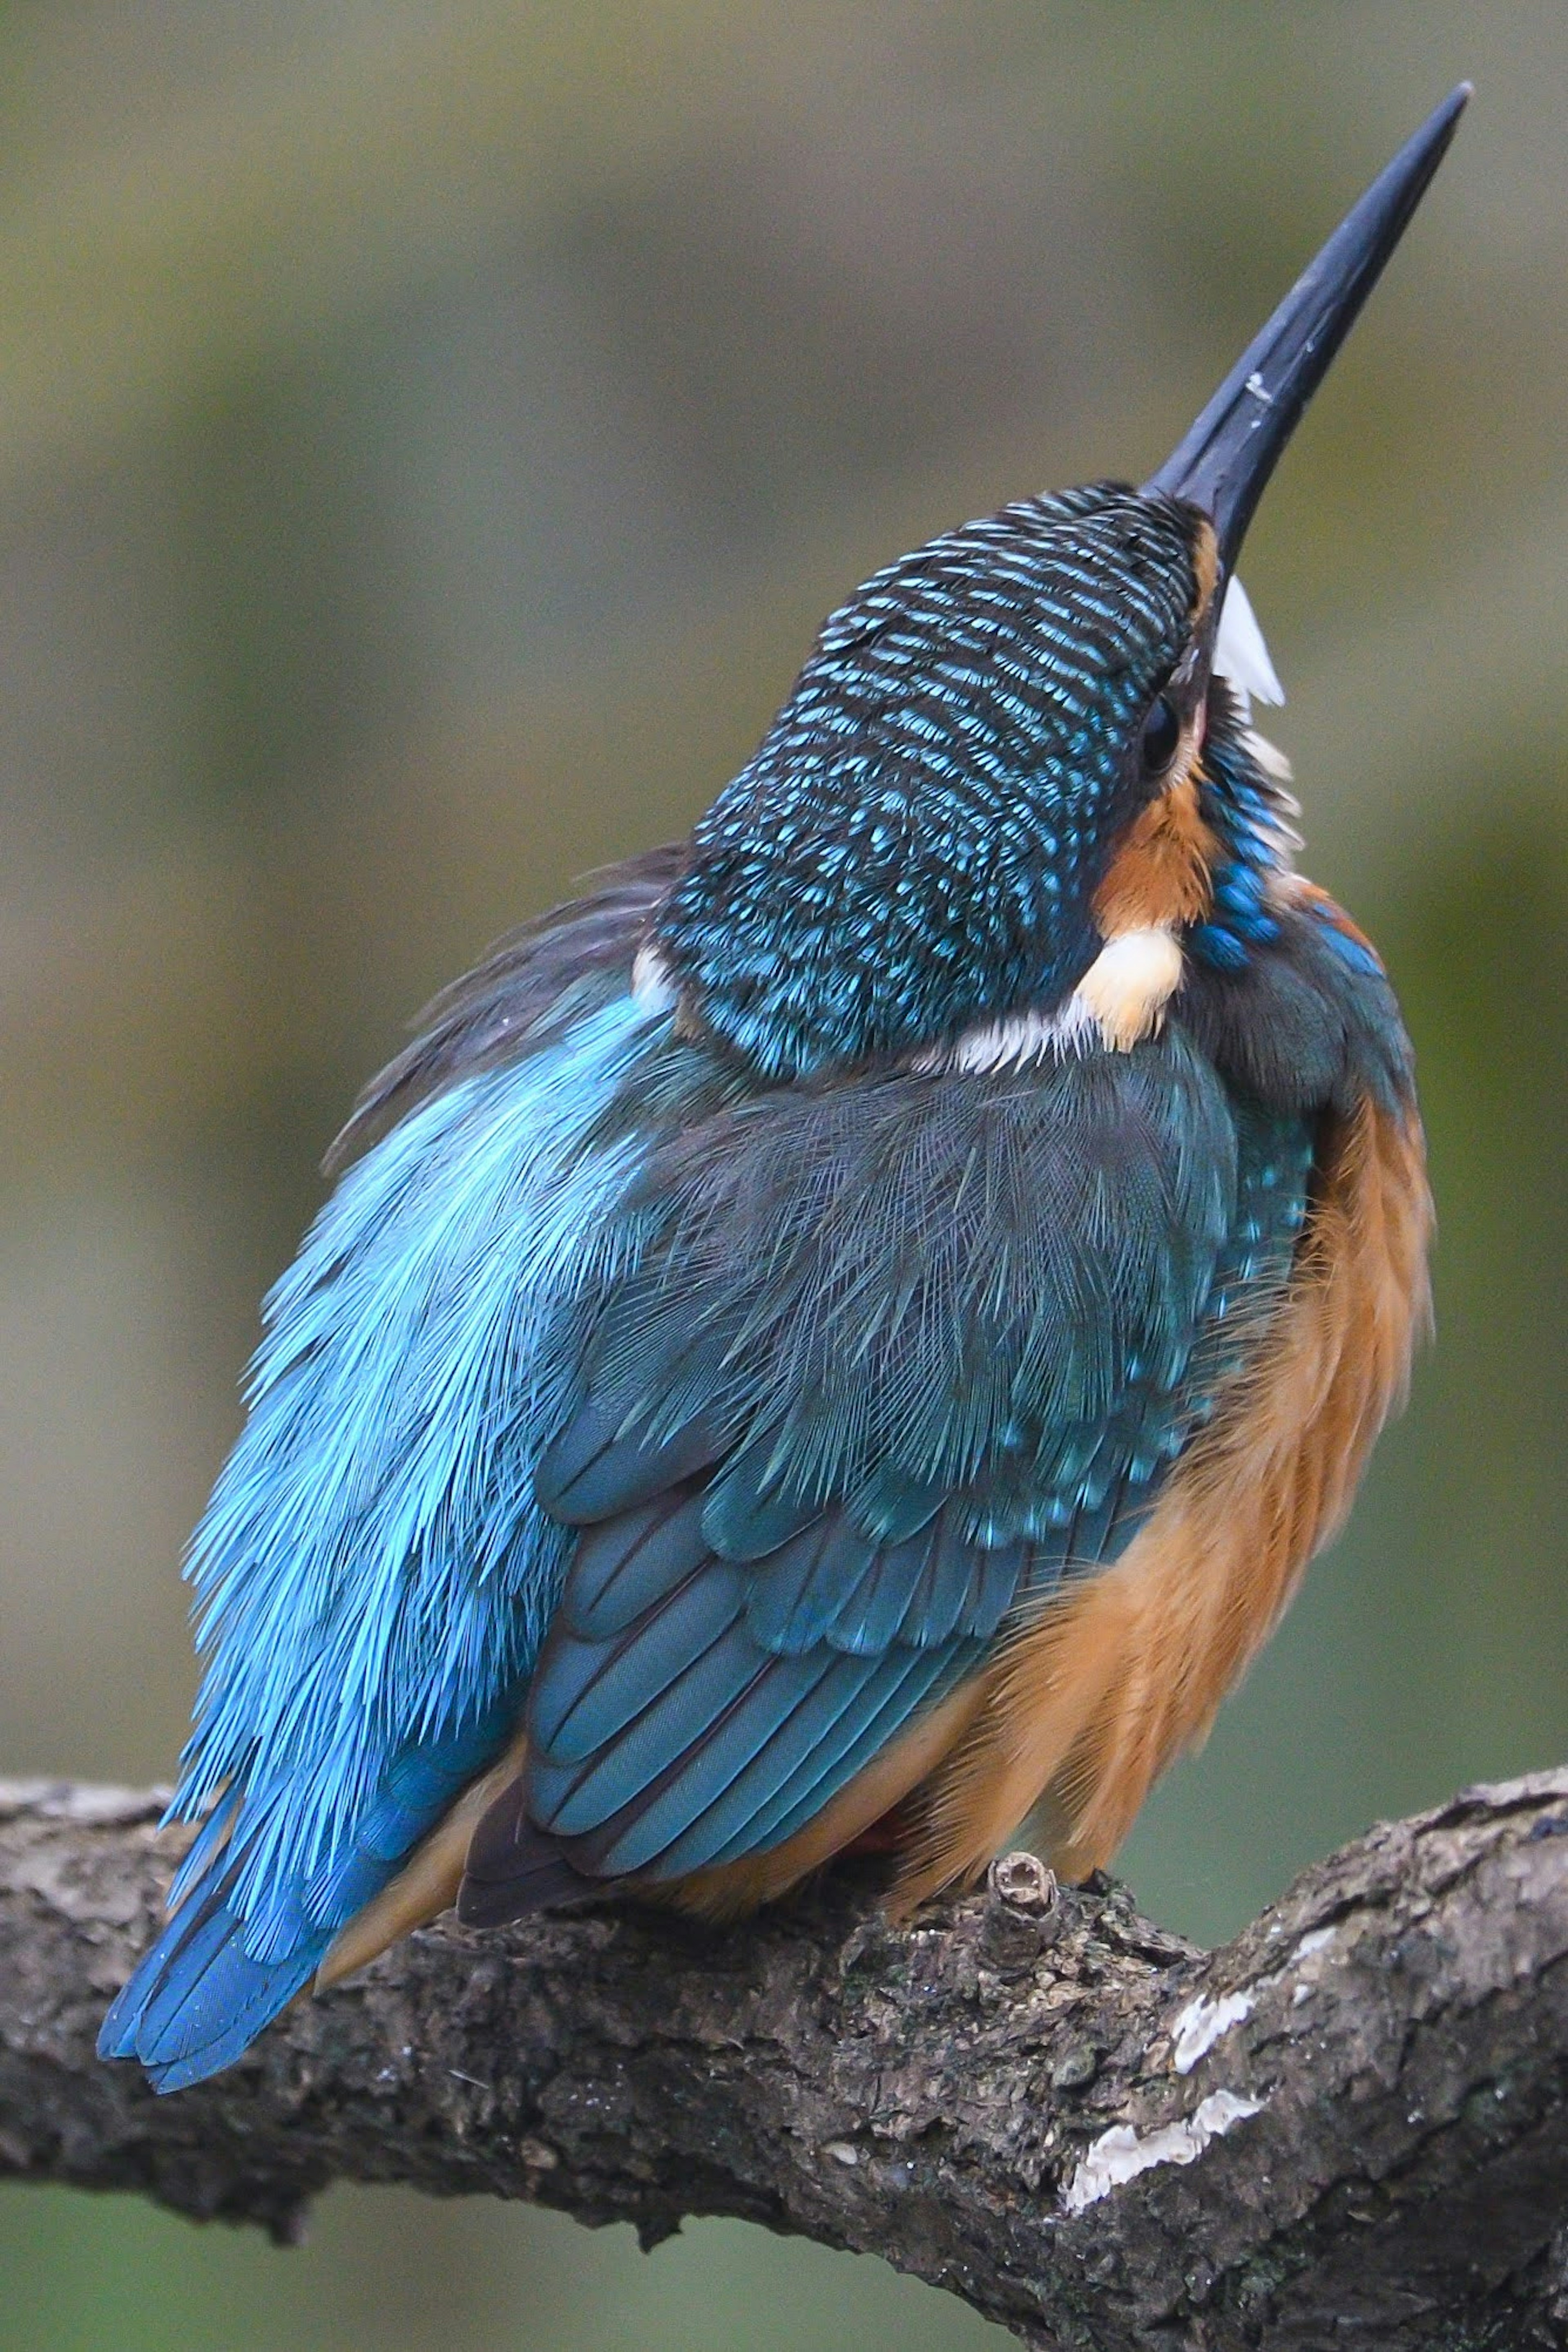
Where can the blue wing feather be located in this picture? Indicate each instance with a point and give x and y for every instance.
(934, 1343)
(625, 1564)
(600, 1691)
(744, 1786)
(884, 1701)
(810, 1579)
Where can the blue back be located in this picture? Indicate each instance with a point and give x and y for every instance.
(372, 1576)
(896, 1360)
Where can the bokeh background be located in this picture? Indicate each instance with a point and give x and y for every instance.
(428, 436)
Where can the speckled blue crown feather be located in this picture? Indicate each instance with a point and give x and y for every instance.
(915, 844)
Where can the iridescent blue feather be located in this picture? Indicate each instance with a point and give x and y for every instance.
(373, 1574)
(893, 1362)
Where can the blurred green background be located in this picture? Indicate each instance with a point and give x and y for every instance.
(428, 435)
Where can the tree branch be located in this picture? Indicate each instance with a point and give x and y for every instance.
(1349, 2125)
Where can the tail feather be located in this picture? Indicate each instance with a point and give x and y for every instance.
(122, 2029)
(234, 1953)
(199, 1997)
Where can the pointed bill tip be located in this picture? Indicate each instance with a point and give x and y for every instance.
(1224, 463)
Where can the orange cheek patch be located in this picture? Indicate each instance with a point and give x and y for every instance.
(1162, 875)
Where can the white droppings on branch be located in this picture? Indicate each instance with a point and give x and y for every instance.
(1202, 2024)
(1119, 2155)
(1204, 2021)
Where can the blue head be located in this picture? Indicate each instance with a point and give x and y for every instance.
(917, 842)
(993, 757)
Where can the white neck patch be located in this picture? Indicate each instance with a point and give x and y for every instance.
(1020, 1038)
(1120, 1000)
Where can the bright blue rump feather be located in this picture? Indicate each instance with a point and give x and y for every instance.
(373, 1575)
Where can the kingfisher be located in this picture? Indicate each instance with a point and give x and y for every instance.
(845, 1337)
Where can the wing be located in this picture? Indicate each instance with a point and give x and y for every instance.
(898, 1358)
(373, 1575)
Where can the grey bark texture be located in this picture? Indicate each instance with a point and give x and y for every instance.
(1346, 2127)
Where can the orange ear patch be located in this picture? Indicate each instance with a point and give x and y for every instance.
(1086, 1706)
(1161, 876)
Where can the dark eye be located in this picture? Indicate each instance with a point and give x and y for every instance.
(1162, 733)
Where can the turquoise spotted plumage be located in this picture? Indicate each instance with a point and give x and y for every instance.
(914, 845)
(774, 1289)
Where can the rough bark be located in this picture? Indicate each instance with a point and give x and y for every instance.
(1347, 2126)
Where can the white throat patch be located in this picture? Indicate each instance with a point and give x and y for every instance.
(1240, 656)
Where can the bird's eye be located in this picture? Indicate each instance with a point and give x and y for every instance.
(1162, 733)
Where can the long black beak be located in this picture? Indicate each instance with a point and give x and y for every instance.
(1224, 463)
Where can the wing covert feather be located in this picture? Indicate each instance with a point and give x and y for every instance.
(898, 1357)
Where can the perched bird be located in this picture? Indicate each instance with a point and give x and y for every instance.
(851, 1332)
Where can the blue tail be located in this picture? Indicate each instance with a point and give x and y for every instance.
(199, 1997)
(242, 1941)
